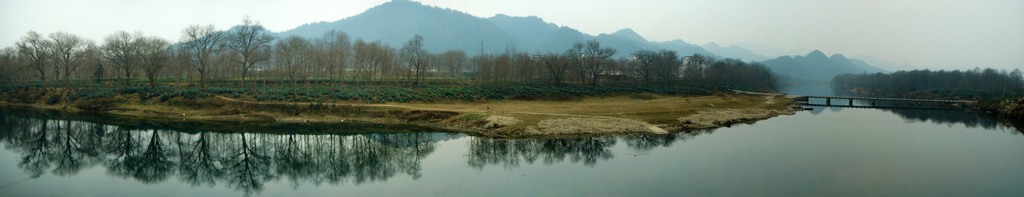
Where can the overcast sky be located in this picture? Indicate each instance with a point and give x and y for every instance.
(938, 34)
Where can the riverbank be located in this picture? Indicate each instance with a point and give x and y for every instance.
(589, 116)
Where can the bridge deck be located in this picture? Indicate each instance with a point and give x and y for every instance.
(804, 100)
(884, 107)
(887, 99)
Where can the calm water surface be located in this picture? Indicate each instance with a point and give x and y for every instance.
(825, 152)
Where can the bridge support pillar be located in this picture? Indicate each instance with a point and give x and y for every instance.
(851, 102)
(872, 103)
(828, 101)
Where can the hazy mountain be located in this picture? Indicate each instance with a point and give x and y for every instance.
(734, 51)
(537, 36)
(533, 34)
(684, 48)
(811, 74)
(771, 51)
(817, 65)
(627, 42)
(629, 34)
(884, 64)
(397, 21)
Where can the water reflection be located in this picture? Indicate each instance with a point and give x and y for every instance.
(62, 145)
(946, 117)
(53, 143)
(942, 117)
(242, 161)
(510, 153)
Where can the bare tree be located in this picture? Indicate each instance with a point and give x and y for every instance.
(373, 58)
(594, 58)
(453, 62)
(337, 49)
(154, 57)
(524, 66)
(201, 44)
(556, 66)
(98, 71)
(577, 59)
(695, 65)
(69, 52)
(483, 67)
(668, 66)
(252, 44)
(385, 59)
(34, 49)
(180, 64)
(122, 50)
(502, 66)
(290, 55)
(643, 63)
(414, 56)
(9, 67)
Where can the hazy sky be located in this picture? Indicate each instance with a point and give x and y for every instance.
(938, 34)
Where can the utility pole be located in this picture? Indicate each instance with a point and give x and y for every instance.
(481, 47)
(1004, 91)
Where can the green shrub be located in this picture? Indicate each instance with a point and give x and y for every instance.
(100, 104)
(52, 99)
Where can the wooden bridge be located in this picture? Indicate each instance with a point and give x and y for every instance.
(875, 102)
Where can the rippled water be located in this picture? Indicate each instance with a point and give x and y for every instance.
(825, 152)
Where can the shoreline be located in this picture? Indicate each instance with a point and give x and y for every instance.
(592, 116)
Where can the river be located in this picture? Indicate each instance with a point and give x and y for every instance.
(823, 152)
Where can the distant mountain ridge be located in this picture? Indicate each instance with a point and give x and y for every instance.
(883, 63)
(397, 21)
(816, 67)
(734, 52)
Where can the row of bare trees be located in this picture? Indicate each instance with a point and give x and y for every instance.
(250, 53)
(62, 54)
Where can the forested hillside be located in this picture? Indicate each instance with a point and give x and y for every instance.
(970, 84)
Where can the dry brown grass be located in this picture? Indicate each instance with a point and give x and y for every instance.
(654, 110)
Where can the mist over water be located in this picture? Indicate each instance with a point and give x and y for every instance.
(809, 89)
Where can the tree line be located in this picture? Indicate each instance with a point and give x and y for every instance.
(252, 57)
(967, 84)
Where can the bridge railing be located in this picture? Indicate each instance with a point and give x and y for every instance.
(805, 98)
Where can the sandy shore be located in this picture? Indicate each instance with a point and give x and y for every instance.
(706, 117)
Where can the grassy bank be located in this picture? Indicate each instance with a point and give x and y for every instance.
(518, 110)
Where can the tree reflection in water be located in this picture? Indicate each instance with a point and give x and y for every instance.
(245, 161)
(950, 117)
(242, 161)
(510, 153)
